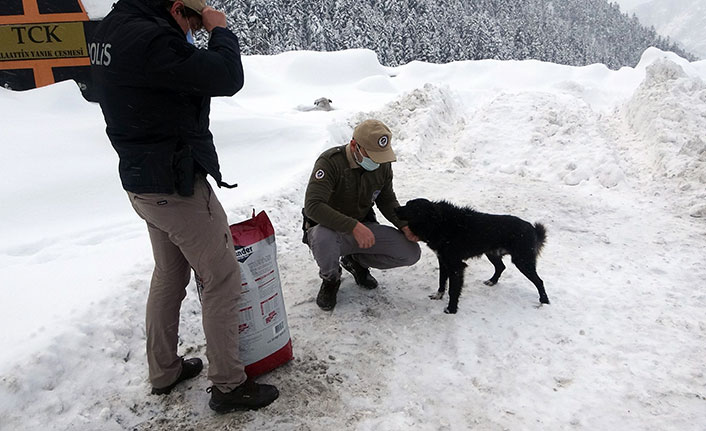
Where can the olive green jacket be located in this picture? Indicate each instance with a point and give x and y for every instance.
(341, 193)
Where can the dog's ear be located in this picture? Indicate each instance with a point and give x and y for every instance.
(435, 214)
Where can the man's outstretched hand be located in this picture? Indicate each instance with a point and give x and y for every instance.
(408, 234)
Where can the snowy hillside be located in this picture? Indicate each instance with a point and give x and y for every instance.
(574, 32)
(683, 21)
(613, 163)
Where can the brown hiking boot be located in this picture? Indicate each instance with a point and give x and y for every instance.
(362, 275)
(326, 299)
(248, 396)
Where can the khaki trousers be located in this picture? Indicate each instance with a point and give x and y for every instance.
(191, 232)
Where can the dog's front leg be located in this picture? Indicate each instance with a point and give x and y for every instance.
(443, 276)
(455, 286)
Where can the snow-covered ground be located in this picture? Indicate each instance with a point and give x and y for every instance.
(612, 162)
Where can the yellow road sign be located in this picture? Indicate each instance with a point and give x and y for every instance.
(42, 41)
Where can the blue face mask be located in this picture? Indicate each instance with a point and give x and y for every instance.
(366, 162)
(190, 37)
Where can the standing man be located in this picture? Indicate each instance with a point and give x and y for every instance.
(154, 88)
(339, 219)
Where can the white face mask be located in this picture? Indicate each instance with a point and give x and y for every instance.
(366, 163)
(190, 37)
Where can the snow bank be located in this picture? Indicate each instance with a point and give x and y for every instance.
(97, 9)
(335, 75)
(56, 138)
(425, 121)
(668, 111)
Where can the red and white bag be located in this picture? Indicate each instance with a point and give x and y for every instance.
(265, 343)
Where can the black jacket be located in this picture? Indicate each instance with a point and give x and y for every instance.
(154, 89)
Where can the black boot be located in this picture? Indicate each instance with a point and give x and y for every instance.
(326, 299)
(190, 368)
(248, 396)
(362, 275)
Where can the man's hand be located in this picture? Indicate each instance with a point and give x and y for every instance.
(363, 236)
(212, 18)
(408, 234)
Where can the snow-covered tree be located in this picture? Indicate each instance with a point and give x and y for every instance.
(575, 32)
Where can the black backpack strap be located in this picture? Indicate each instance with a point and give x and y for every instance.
(226, 185)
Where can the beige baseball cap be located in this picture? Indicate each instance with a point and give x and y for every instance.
(195, 5)
(376, 138)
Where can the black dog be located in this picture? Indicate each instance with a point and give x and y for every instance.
(456, 234)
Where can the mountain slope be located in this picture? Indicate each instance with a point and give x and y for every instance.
(683, 21)
(573, 32)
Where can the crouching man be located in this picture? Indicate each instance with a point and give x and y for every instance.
(339, 221)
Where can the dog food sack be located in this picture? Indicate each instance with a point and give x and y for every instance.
(265, 343)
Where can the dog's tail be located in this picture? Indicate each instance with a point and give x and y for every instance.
(541, 232)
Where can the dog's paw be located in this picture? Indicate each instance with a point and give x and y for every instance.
(541, 304)
(437, 295)
(490, 282)
(544, 300)
(448, 311)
